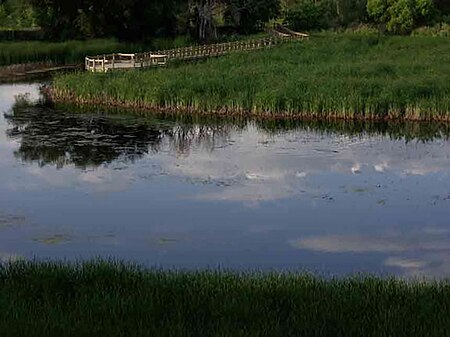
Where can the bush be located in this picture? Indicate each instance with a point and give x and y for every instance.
(309, 15)
(16, 14)
(248, 16)
(363, 30)
(401, 16)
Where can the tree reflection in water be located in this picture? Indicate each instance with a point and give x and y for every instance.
(58, 137)
(55, 137)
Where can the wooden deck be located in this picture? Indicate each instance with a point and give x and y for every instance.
(120, 61)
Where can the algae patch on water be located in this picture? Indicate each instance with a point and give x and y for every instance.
(53, 239)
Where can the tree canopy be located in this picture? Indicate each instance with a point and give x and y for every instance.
(204, 20)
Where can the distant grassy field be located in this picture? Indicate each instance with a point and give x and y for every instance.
(75, 51)
(56, 52)
(329, 76)
(112, 299)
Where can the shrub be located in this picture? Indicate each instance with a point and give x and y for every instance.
(441, 29)
(309, 15)
(400, 16)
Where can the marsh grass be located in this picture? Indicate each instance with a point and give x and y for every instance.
(58, 52)
(75, 51)
(330, 76)
(101, 298)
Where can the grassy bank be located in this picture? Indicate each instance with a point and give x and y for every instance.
(329, 76)
(56, 52)
(75, 51)
(106, 299)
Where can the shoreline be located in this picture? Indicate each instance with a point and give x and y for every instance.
(29, 71)
(92, 297)
(57, 96)
(338, 77)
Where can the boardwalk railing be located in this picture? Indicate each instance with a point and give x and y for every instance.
(104, 63)
(111, 62)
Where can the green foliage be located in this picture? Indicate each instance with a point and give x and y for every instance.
(401, 16)
(141, 20)
(442, 30)
(395, 16)
(134, 20)
(114, 299)
(252, 14)
(376, 8)
(364, 30)
(443, 11)
(310, 14)
(307, 15)
(16, 14)
(144, 19)
(329, 76)
(351, 12)
(58, 52)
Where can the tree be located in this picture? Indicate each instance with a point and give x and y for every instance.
(310, 14)
(400, 16)
(124, 19)
(205, 13)
(16, 14)
(246, 16)
(443, 6)
(57, 18)
(350, 11)
(250, 15)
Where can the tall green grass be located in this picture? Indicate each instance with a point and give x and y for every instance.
(329, 76)
(75, 51)
(57, 52)
(113, 299)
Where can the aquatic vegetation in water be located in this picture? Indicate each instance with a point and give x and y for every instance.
(360, 190)
(53, 239)
(165, 241)
(8, 220)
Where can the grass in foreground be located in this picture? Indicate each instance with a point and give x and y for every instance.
(112, 299)
(329, 76)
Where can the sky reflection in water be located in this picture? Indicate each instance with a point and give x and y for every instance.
(207, 194)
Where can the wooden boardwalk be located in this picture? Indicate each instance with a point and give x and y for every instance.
(120, 61)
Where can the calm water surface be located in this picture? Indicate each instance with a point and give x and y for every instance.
(180, 194)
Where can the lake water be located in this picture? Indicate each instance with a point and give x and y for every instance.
(331, 199)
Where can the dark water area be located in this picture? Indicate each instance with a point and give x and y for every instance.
(328, 198)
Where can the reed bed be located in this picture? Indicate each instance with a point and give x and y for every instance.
(56, 52)
(100, 298)
(345, 76)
